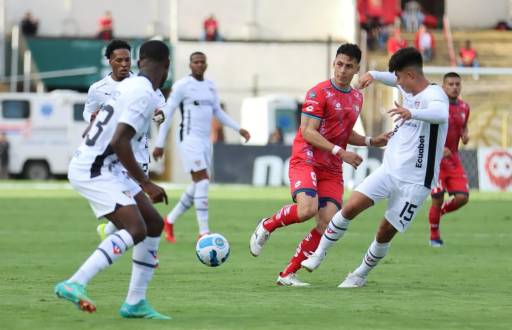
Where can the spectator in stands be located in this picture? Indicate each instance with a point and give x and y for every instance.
(105, 26)
(468, 56)
(424, 41)
(211, 29)
(29, 25)
(395, 42)
(276, 137)
(412, 16)
(4, 156)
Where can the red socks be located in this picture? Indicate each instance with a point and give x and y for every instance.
(305, 248)
(434, 216)
(286, 216)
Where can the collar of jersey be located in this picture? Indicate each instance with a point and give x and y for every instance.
(340, 89)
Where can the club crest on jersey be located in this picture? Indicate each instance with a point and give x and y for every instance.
(116, 249)
(417, 104)
(153, 254)
(312, 95)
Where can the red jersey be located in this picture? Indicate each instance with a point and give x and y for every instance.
(459, 114)
(338, 111)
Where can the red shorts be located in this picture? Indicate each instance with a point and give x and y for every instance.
(328, 185)
(452, 180)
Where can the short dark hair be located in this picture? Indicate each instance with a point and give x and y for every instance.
(116, 44)
(196, 53)
(451, 75)
(351, 50)
(405, 57)
(155, 50)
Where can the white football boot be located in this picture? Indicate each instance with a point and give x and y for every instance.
(312, 262)
(290, 280)
(353, 281)
(259, 238)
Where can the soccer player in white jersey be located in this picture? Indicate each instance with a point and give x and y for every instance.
(410, 167)
(198, 101)
(119, 58)
(96, 173)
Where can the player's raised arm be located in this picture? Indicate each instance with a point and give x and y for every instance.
(387, 78)
(359, 140)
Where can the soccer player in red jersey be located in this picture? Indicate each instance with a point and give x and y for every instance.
(452, 178)
(329, 113)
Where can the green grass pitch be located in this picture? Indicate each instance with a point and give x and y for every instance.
(46, 234)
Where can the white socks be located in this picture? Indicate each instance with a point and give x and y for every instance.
(144, 263)
(186, 201)
(107, 252)
(201, 205)
(335, 230)
(110, 228)
(375, 253)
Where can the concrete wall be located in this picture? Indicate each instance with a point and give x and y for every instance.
(240, 19)
(477, 13)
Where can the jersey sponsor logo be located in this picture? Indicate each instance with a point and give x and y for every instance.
(115, 248)
(421, 151)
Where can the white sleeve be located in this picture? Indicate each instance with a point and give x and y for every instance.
(223, 117)
(435, 113)
(387, 78)
(91, 104)
(139, 111)
(169, 108)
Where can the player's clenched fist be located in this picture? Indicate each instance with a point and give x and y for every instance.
(350, 158)
(156, 193)
(365, 80)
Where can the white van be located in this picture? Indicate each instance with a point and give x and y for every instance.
(44, 129)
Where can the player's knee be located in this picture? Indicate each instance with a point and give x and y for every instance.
(462, 200)
(138, 233)
(307, 211)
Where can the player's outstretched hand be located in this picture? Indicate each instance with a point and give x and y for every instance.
(245, 133)
(158, 116)
(158, 153)
(465, 138)
(365, 80)
(400, 114)
(381, 140)
(156, 193)
(350, 158)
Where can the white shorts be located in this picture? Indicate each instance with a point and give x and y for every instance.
(106, 191)
(195, 154)
(404, 198)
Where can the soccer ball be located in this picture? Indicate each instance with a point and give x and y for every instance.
(212, 250)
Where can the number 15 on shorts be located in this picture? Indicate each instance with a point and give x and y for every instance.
(407, 213)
